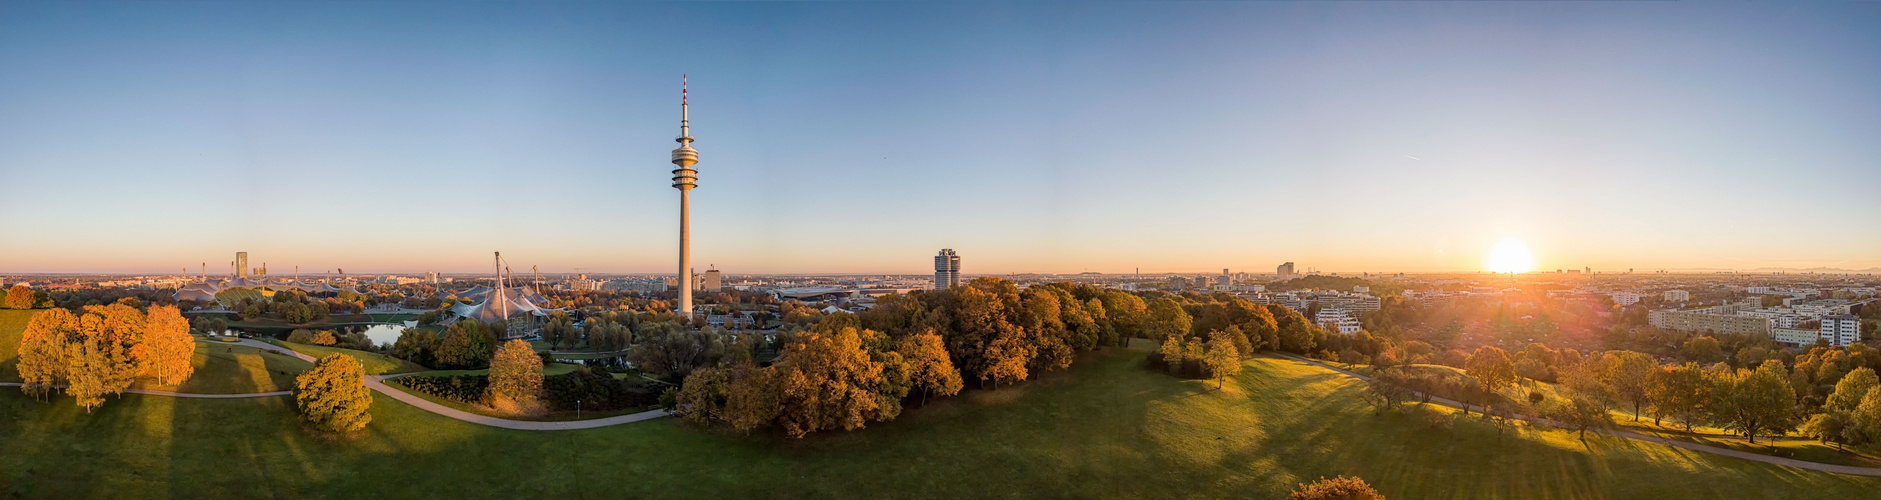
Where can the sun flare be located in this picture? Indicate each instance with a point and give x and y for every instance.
(1510, 256)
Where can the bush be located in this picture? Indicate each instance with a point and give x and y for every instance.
(466, 389)
(596, 391)
(1340, 488)
(302, 336)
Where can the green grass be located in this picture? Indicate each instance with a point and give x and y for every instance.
(1109, 428)
(233, 369)
(374, 363)
(12, 326)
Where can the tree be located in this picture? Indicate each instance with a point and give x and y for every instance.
(929, 368)
(1833, 426)
(1680, 392)
(1166, 319)
(325, 337)
(89, 370)
(672, 350)
(333, 396)
(1223, 359)
(1491, 368)
(20, 297)
(1340, 488)
(1580, 413)
(1172, 351)
(1626, 372)
(1751, 401)
(704, 394)
(1864, 426)
(560, 330)
(1385, 390)
(828, 380)
(42, 350)
(170, 346)
(417, 346)
(1704, 350)
(1851, 389)
(516, 379)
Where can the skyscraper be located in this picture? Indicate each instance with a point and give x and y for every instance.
(1284, 270)
(713, 280)
(684, 179)
(946, 269)
(241, 264)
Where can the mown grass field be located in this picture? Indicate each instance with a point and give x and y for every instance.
(1108, 428)
(234, 369)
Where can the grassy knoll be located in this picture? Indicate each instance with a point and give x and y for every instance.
(1109, 428)
(234, 369)
(375, 363)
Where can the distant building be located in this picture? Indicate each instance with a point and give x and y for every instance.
(1841, 329)
(1284, 270)
(946, 269)
(1677, 296)
(713, 281)
(241, 264)
(1708, 320)
(1793, 337)
(1625, 298)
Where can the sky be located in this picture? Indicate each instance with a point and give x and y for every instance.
(862, 137)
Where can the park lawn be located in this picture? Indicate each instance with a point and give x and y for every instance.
(492, 412)
(374, 363)
(1108, 428)
(234, 369)
(12, 327)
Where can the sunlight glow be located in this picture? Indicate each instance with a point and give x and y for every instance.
(1510, 256)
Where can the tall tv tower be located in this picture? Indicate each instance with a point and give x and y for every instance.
(684, 179)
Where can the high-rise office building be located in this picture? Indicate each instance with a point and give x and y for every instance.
(1284, 270)
(946, 269)
(241, 264)
(713, 282)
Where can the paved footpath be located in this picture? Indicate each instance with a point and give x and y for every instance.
(377, 383)
(1789, 462)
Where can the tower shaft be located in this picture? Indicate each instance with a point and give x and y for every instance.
(684, 179)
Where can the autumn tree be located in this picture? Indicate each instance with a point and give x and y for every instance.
(42, 352)
(516, 379)
(1680, 392)
(1627, 373)
(170, 347)
(1166, 319)
(1752, 401)
(1340, 488)
(1491, 368)
(560, 330)
(1704, 350)
(929, 368)
(333, 395)
(89, 372)
(1223, 359)
(325, 337)
(1851, 389)
(1580, 413)
(828, 380)
(20, 297)
(704, 394)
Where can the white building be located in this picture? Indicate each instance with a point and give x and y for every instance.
(1841, 329)
(1338, 320)
(1677, 296)
(1625, 298)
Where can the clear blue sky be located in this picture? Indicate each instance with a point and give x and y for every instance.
(863, 137)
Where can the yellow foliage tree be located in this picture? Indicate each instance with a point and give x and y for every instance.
(20, 297)
(929, 367)
(333, 395)
(827, 380)
(42, 350)
(516, 379)
(170, 346)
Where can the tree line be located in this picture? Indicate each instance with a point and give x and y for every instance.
(103, 350)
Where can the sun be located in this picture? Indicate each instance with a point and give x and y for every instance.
(1510, 256)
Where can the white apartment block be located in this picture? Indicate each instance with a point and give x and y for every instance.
(1677, 296)
(1625, 298)
(1841, 329)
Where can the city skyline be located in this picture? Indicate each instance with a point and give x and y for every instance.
(858, 138)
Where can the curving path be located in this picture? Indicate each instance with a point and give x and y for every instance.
(377, 383)
(1789, 462)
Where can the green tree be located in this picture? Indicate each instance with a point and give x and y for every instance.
(1580, 413)
(560, 330)
(1752, 401)
(454, 349)
(516, 379)
(1627, 373)
(1172, 350)
(1166, 319)
(333, 395)
(1851, 389)
(417, 346)
(1223, 359)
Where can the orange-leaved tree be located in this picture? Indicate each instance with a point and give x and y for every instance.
(929, 368)
(333, 395)
(170, 346)
(516, 379)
